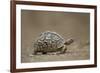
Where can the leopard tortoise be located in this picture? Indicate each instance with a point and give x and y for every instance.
(50, 42)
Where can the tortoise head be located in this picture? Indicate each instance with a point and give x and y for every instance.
(69, 41)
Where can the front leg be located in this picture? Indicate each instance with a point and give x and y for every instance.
(44, 52)
(63, 50)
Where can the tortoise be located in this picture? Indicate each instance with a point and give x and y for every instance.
(50, 42)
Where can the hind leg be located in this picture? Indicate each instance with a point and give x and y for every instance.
(35, 53)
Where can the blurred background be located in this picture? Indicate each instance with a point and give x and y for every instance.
(67, 24)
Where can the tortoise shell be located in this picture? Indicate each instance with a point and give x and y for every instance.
(48, 41)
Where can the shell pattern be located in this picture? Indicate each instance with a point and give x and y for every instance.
(48, 42)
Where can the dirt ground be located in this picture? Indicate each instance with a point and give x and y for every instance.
(74, 52)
